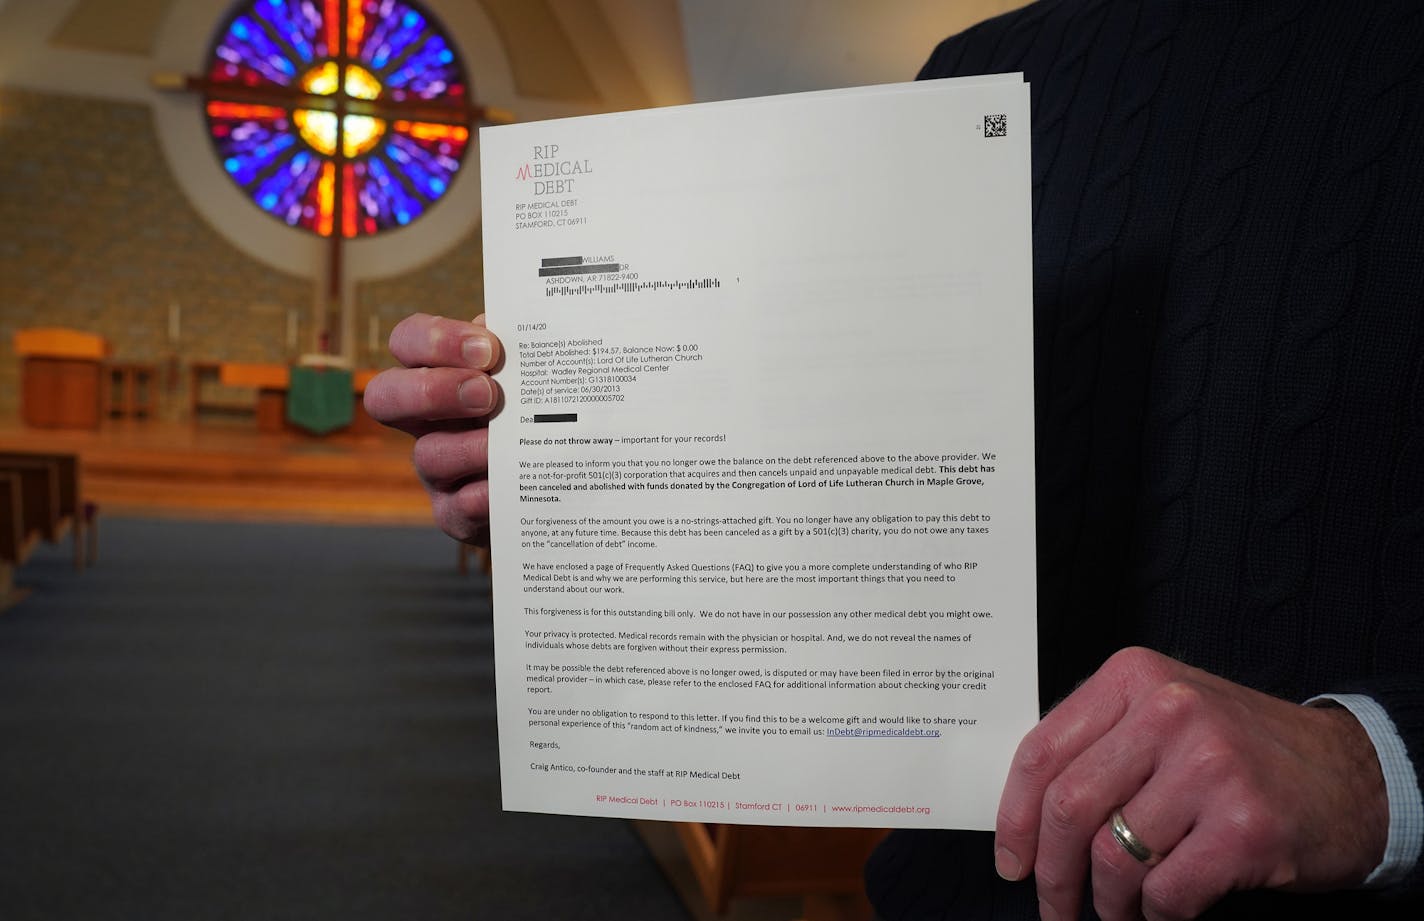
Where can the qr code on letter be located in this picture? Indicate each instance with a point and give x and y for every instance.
(996, 126)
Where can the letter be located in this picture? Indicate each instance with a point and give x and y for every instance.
(721, 490)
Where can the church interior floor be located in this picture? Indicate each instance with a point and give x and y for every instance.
(170, 488)
(232, 472)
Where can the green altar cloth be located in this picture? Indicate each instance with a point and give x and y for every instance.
(320, 400)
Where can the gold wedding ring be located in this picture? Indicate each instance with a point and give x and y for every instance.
(1134, 846)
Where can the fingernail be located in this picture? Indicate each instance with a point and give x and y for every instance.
(476, 393)
(1046, 912)
(1007, 865)
(475, 351)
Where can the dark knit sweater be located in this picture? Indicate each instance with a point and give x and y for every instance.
(1229, 368)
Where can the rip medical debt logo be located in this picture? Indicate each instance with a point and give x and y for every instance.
(550, 175)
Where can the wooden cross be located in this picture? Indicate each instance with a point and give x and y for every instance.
(342, 45)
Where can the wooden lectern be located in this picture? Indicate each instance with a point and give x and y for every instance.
(61, 377)
(271, 383)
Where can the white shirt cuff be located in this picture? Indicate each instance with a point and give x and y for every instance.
(1401, 784)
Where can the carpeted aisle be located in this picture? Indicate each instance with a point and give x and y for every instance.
(269, 722)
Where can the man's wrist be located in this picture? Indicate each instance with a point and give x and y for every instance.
(1405, 838)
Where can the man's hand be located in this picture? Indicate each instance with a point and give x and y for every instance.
(442, 396)
(1234, 789)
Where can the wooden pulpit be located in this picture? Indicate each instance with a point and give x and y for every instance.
(61, 377)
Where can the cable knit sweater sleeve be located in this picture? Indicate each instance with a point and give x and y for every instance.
(1229, 365)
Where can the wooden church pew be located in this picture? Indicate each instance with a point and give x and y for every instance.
(53, 503)
(15, 545)
(821, 866)
(73, 512)
(39, 497)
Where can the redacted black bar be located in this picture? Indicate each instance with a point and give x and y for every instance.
(561, 260)
(578, 269)
(556, 417)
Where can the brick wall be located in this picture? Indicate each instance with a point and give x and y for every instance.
(452, 285)
(96, 235)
